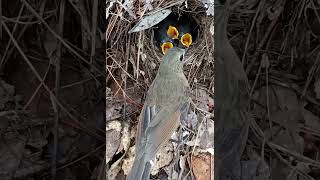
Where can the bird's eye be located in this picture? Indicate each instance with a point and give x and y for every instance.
(181, 58)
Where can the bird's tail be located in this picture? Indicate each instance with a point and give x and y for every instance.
(140, 170)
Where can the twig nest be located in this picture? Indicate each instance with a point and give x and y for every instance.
(131, 47)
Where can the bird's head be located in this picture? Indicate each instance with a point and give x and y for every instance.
(173, 60)
(186, 39)
(165, 46)
(172, 32)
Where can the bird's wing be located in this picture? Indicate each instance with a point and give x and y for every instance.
(161, 128)
(164, 113)
(151, 116)
(184, 112)
(157, 125)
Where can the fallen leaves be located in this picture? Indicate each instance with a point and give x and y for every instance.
(203, 100)
(163, 158)
(289, 124)
(280, 105)
(204, 138)
(201, 166)
(113, 130)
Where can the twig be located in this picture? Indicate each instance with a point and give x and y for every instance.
(250, 32)
(94, 29)
(57, 89)
(81, 158)
(311, 74)
(3, 60)
(79, 125)
(1, 19)
(29, 7)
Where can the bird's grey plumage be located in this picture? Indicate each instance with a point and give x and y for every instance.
(166, 100)
(231, 102)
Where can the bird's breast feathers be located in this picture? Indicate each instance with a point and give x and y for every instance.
(166, 90)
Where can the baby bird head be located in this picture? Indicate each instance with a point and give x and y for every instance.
(173, 60)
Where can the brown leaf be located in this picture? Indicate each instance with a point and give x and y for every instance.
(284, 106)
(201, 166)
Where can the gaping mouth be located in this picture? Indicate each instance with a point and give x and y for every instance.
(166, 46)
(172, 32)
(186, 39)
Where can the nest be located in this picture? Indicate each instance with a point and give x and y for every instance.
(138, 53)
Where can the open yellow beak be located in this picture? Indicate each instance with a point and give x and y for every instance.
(173, 32)
(186, 39)
(166, 46)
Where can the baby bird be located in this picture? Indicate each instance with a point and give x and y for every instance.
(186, 28)
(167, 33)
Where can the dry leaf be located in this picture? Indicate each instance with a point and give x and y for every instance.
(203, 100)
(163, 158)
(151, 20)
(201, 166)
(128, 162)
(113, 130)
(124, 146)
(284, 106)
(209, 4)
(206, 135)
(192, 120)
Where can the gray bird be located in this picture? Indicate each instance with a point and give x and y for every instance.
(166, 102)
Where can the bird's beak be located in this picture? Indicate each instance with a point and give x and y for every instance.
(166, 46)
(186, 39)
(173, 32)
